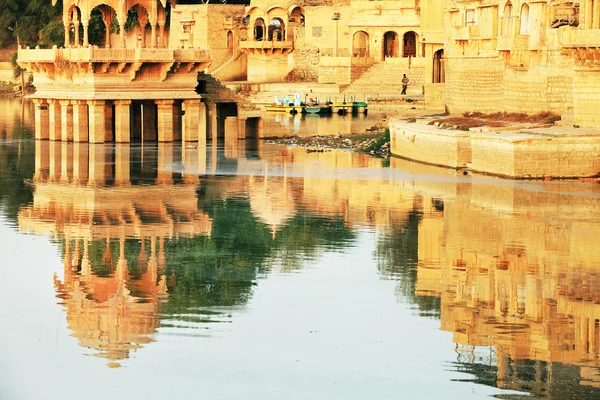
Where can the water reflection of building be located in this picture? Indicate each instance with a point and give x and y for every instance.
(113, 236)
(516, 269)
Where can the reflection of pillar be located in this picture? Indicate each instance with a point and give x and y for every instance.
(42, 160)
(66, 120)
(41, 119)
(192, 113)
(86, 270)
(166, 119)
(66, 169)
(97, 121)
(122, 121)
(80, 121)
(97, 164)
(80, 163)
(86, 42)
(212, 120)
(122, 164)
(54, 164)
(165, 163)
(54, 119)
(194, 164)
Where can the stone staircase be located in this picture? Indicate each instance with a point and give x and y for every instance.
(220, 93)
(223, 66)
(384, 80)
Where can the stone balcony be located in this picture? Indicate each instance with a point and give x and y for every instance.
(514, 43)
(267, 47)
(466, 32)
(583, 45)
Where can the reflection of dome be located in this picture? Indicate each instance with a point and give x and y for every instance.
(271, 202)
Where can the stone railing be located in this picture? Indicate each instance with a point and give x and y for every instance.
(504, 43)
(95, 54)
(266, 44)
(580, 38)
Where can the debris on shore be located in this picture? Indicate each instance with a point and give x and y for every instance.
(374, 141)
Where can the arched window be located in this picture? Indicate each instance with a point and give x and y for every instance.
(390, 44)
(360, 44)
(409, 48)
(259, 29)
(276, 30)
(229, 40)
(507, 20)
(524, 20)
(439, 75)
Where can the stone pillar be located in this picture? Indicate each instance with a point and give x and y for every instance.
(596, 15)
(231, 137)
(242, 128)
(80, 121)
(153, 34)
(202, 127)
(80, 163)
(122, 121)
(76, 26)
(66, 120)
(192, 112)
(67, 36)
(177, 128)
(54, 118)
(42, 161)
(166, 119)
(212, 120)
(122, 164)
(97, 121)
(164, 170)
(161, 35)
(122, 34)
(41, 119)
(85, 24)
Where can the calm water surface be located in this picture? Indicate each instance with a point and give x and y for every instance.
(256, 271)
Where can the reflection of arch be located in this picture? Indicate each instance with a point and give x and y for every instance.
(507, 19)
(229, 39)
(409, 48)
(390, 44)
(276, 30)
(524, 20)
(259, 29)
(360, 44)
(439, 74)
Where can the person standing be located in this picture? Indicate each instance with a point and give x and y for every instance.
(404, 84)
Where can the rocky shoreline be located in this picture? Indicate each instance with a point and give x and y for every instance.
(375, 140)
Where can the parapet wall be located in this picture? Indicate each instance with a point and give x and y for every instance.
(556, 152)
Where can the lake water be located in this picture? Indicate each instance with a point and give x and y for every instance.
(250, 270)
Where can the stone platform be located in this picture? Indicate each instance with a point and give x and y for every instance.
(512, 152)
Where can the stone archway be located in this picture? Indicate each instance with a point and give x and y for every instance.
(524, 30)
(507, 20)
(276, 30)
(101, 21)
(360, 44)
(439, 74)
(409, 45)
(259, 29)
(229, 40)
(390, 45)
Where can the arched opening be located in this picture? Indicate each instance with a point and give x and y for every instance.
(296, 20)
(507, 20)
(390, 44)
(259, 29)
(229, 39)
(360, 44)
(524, 20)
(409, 45)
(439, 75)
(137, 17)
(74, 27)
(276, 30)
(103, 20)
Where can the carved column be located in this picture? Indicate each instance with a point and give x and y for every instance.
(66, 121)
(161, 35)
(122, 121)
(166, 120)
(143, 20)
(192, 113)
(41, 119)
(212, 120)
(122, 34)
(85, 24)
(67, 38)
(80, 121)
(97, 121)
(54, 119)
(76, 25)
(153, 34)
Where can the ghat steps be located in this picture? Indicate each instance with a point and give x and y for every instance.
(384, 79)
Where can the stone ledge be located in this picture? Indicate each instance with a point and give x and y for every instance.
(555, 152)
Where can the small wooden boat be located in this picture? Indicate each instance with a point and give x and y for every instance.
(284, 109)
(341, 108)
(359, 107)
(317, 109)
